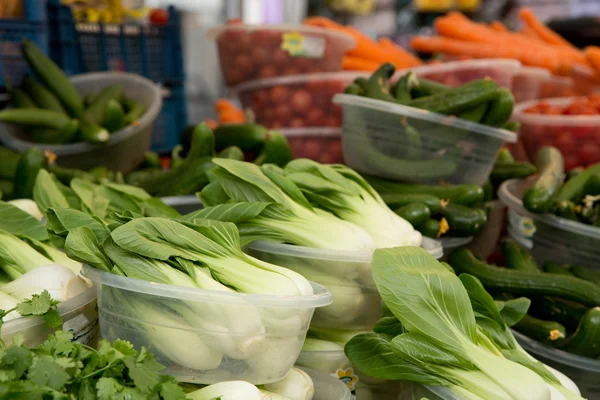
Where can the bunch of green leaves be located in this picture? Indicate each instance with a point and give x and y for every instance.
(62, 369)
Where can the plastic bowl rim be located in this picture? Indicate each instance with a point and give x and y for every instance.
(81, 300)
(296, 79)
(445, 120)
(497, 63)
(542, 119)
(188, 199)
(321, 298)
(115, 138)
(319, 131)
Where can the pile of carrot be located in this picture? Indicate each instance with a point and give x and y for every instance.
(535, 45)
(368, 54)
(227, 113)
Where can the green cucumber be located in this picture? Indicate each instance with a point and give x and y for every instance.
(134, 111)
(377, 86)
(566, 312)
(512, 126)
(401, 90)
(500, 109)
(430, 228)
(43, 97)
(397, 200)
(415, 213)
(32, 160)
(202, 142)
(474, 114)
(555, 268)
(566, 209)
(518, 258)
(20, 99)
(94, 134)
(8, 163)
(489, 193)
(465, 194)
(503, 171)
(457, 100)
(538, 197)
(464, 221)
(95, 113)
(114, 116)
(37, 118)
(573, 188)
(248, 137)
(54, 78)
(51, 136)
(586, 273)
(353, 89)
(549, 332)
(586, 340)
(276, 150)
(525, 283)
(428, 87)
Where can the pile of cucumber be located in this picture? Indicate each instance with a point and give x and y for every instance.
(577, 198)
(565, 300)
(506, 168)
(480, 101)
(51, 111)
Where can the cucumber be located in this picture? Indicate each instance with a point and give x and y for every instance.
(586, 340)
(414, 143)
(51, 136)
(396, 200)
(248, 137)
(518, 258)
(427, 87)
(20, 99)
(592, 186)
(573, 188)
(232, 153)
(566, 209)
(512, 126)
(500, 109)
(202, 142)
(457, 100)
(566, 312)
(94, 134)
(114, 116)
(538, 197)
(505, 156)
(377, 86)
(466, 194)
(95, 113)
(415, 213)
(43, 97)
(54, 78)
(503, 171)
(353, 89)
(134, 111)
(462, 220)
(276, 150)
(38, 118)
(525, 283)
(430, 228)
(8, 163)
(555, 268)
(549, 332)
(29, 165)
(489, 193)
(586, 273)
(474, 114)
(401, 90)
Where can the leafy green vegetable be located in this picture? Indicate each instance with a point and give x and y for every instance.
(18, 222)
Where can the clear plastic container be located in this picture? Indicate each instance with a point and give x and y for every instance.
(554, 238)
(486, 241)
(456, 73)
(327, 387)
(404, 143)
(583, 371)
(576, 136)
(520, 221)
(126, 148)
(205, 336)
(527, 83)
(79, 316)
(347, 275)
(249, 52)
(323, 145)
(183, 204)
(449, 244)
(297, 101)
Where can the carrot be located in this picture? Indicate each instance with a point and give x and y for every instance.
(592, 54)
(498, 26)
(399, 53)
(358, 64)
(545, 33)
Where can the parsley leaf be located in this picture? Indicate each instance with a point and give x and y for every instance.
(144, 371)
(46, 372)
(19, 359)
(41, 305)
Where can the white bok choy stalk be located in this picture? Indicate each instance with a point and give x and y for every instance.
(17, 257)
(343, 192)
(297, 385)
(58, 280)
(267, 205)
(232, 390)
(29, 206)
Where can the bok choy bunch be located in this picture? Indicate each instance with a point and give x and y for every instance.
(438, 338)
(201, 254)
(343, 192)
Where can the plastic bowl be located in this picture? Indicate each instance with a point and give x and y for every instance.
(183, 204)
(249, 52)
(79, 316)
(347, 275)
(576, 136)
(296, 101)
(520, 221)
(556, 239)
(583, 371)
(126, 148)
(527, 83)
(323, 145)
(408, 144)
(271, 328)
(456, 73)
(327, 387)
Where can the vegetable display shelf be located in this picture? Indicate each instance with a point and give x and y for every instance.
(13, 31)
(149, 50)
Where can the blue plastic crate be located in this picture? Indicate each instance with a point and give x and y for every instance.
(149, 50)
(13, 31)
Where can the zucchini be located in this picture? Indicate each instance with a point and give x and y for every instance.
(462, 220)
(95, 113)
(566, 209)
(457, 100)
(555, 268)
(8, 163)
(538, 197)
(114, 116)
(430, 228)
(415, 213)
(29, 165)
(500, 109)
(573, 188)
(92, 133)
(396, 200)
(525, 283)
(566, 312)
(503, 171)
(54, 78)
(549, 332)
(248, 137)
(134, 111)
(518, 258)
(587, 273)
(466, 194)
(20, 99)
(43, 97)
(586, 340)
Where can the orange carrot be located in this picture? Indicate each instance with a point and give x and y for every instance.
(498, 26)
(592, 54)
(545, 33)
(402, 58)
(359, 64)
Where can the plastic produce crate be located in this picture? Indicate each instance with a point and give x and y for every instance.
(152, 51)
(12, 33)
